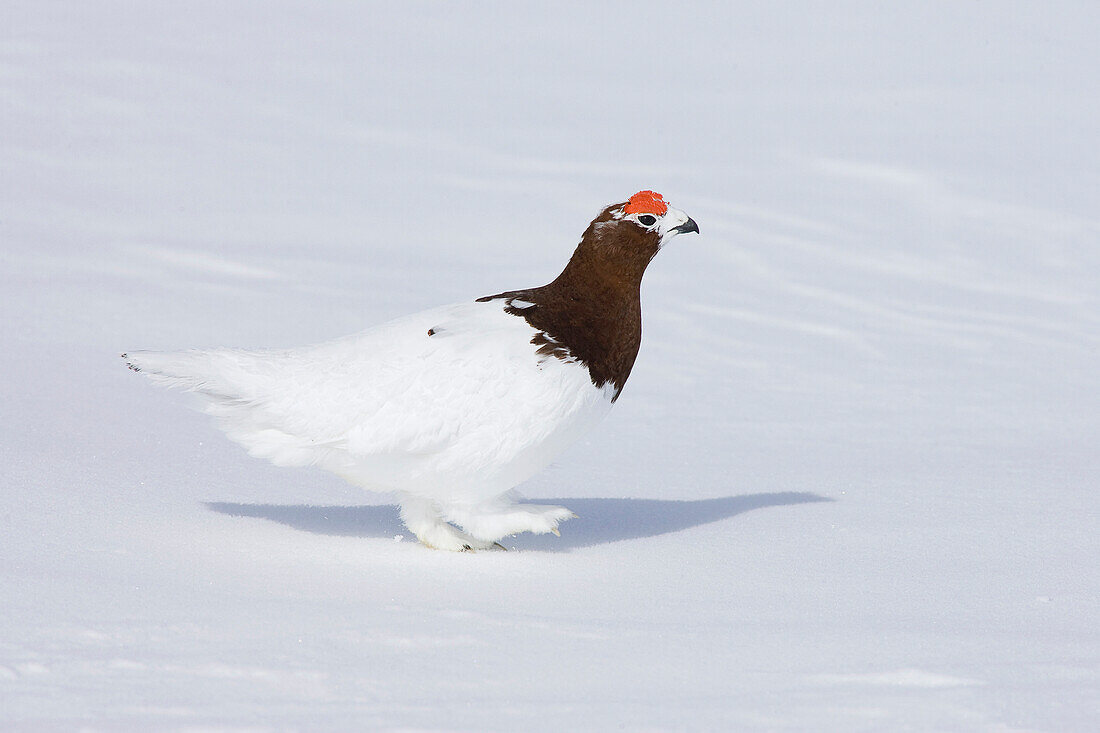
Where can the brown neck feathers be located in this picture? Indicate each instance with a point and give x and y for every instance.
(592, 312)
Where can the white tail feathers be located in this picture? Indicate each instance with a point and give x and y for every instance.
(223, 374)
(184, 369)
(234, 386)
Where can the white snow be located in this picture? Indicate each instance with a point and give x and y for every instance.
(852, 483)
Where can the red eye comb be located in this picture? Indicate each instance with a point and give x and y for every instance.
(646, 202)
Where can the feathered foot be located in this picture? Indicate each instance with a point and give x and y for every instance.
(492, 521)
(422, 517)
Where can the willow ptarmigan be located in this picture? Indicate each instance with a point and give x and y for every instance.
(452, 407)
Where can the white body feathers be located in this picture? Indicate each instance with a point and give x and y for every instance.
(450, 405)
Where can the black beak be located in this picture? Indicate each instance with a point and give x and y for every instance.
(688, 226)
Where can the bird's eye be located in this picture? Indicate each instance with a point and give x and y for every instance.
(647, 220)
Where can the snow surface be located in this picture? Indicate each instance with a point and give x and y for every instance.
(851, 484)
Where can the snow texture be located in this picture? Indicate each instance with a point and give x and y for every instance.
(851, 485)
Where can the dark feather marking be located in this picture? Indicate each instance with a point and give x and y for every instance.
(548, 347)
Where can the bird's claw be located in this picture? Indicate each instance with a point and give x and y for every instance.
(494, 546)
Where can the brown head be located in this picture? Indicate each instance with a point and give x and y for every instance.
(620, 242)
(591, 312)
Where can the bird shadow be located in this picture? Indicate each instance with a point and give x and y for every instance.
(599, 521)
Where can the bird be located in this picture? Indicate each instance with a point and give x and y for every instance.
(449, 409)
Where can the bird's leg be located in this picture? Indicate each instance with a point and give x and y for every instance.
(499, 518)
(423, 518)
